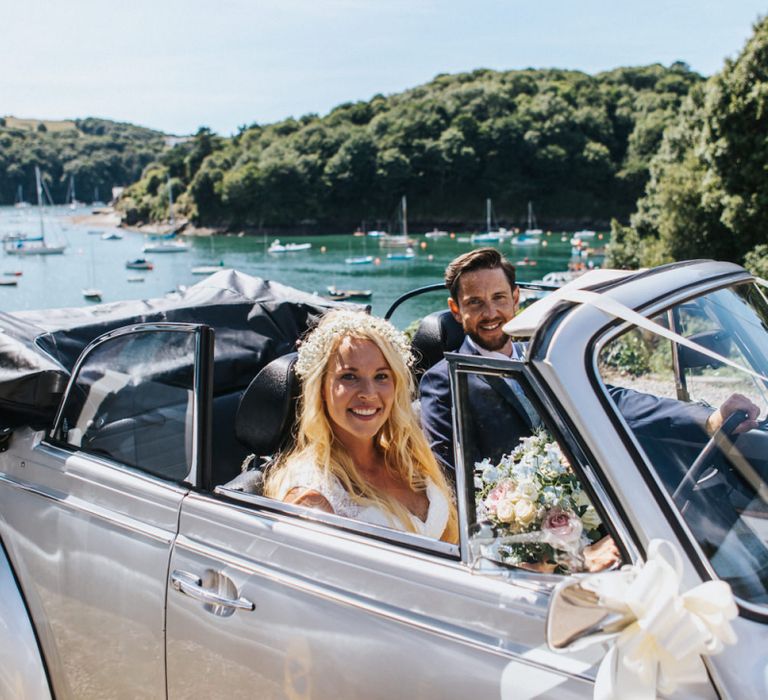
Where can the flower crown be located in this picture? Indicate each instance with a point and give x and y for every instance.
(316, 346)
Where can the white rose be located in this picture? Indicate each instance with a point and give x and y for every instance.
(527, 489)
(591, 519)
(505, 510)
(525, 511)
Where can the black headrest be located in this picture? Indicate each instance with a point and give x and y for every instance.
(439, 332)
(267, 409)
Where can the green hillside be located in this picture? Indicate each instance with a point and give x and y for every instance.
(576, 145)
(101, 154)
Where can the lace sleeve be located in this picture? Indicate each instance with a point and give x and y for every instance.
(306, 475)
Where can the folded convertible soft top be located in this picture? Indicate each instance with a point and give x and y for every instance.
(254, 320)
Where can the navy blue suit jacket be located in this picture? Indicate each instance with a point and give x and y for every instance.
(495, 425)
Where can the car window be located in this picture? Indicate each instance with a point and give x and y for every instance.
(132, 401)
(526, 504)
(666, 392)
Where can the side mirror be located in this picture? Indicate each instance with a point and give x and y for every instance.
(576, 618)
(716, 341)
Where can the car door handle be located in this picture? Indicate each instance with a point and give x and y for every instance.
(192, 585)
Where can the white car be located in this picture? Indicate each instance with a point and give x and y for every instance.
(139, 560)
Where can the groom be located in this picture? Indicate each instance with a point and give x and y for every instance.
(483, 297)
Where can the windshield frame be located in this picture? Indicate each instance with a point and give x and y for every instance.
(615, 328)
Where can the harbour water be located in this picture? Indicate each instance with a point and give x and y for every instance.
(92, 262)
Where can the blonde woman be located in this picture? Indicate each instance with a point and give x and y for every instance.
(359, 450)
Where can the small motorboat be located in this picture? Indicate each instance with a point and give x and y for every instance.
(522, 240)
(13, 273)
(165, 247)
(434, 233)
(92, 294)
(277, 247)
(207, 269)
(407, 254)
(139, 264)
(8, 282)
(112, 236)
(343, 294)
(359, 260)
(135, 278)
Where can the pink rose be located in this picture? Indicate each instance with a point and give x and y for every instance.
(498, 493)
(562, 525)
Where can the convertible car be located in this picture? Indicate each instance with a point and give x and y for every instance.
(140, 559)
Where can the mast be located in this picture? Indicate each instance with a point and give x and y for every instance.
(530, 215)
(170, 202)
(488, 214)
(39, 184)
(404, 206)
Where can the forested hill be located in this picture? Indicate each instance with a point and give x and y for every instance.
(576, 145)
(101, 154)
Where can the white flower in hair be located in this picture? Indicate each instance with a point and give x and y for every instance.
(316, 347)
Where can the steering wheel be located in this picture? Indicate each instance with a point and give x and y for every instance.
(710, 453)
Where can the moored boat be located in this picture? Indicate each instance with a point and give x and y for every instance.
(139, 264)
(277, 247)
(359, 260)
(165, 247)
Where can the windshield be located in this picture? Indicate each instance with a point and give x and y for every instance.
(670, 395)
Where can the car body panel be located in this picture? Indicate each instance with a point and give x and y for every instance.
(383, 619)
(90, 542)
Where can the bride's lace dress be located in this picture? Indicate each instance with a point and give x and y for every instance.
(307, 476)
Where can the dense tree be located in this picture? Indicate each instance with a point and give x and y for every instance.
(100, 154)
(707, 194)
(577, 145)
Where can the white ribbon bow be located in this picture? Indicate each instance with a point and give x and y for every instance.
(662, 648)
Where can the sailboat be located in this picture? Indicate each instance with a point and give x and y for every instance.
(401, 240)
(167, 244)
(20, 203)
(92, 293)
(21, 244)
(490, 236)
(71, 197)
(532, 229)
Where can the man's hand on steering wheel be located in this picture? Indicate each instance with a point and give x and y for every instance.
(735, 402)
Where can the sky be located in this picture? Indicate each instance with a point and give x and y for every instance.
(177, 65)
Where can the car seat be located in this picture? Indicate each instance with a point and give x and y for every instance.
(438, 333)
(265, 418)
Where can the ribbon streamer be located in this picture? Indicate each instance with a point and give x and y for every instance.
(662, 648)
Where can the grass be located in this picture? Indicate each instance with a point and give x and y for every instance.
(31, 124)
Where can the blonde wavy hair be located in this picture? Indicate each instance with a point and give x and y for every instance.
(401, 441)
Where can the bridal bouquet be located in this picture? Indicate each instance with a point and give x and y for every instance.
(537, 506)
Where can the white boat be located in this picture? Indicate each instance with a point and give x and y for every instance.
(436, 234)
(490, 236)
(586, 233)
(359, 260)
(377, 234)
(112, 236)
(524, 240)
(407, 254)
(400, 240)
(92, 294)
(135, 278)
(165, 247)
(207, 269)
(37, 245)
(532, 229)
(277, 247)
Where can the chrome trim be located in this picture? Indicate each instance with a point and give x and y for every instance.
(269, 506)
(424, 623)
(78, 504)
(191, 585)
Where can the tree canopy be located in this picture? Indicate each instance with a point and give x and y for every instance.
(707, 195)
(100, 154)
(576, 145)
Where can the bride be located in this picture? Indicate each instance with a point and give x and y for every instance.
(359, 450)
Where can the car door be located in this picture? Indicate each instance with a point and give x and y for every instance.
(270, 600)
(89, 512)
